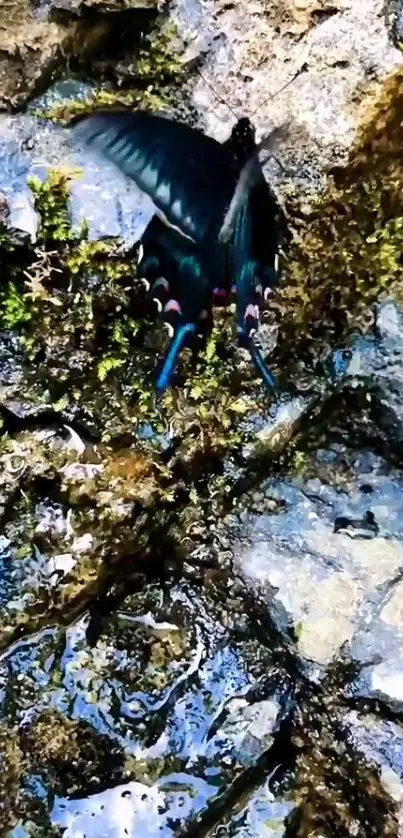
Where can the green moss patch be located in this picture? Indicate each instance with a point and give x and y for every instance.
(349, 251)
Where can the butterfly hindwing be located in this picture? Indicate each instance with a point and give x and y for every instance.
(179, 287)
(190, 301)
(254, 249)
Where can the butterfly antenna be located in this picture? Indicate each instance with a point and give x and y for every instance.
(280, 90)
(219, 98)
(217, 95)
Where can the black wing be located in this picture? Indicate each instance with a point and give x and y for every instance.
(190, 177)
(180, 287)
(250, 227)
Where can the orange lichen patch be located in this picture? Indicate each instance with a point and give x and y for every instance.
(113, 478)
(130, 474)
(128, 464)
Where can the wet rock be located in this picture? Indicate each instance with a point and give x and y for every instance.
(247, 731)
(275, 429)
(339, 785)
(170, 802)
(71, 750)
(4, 209)
(57, 541)
(173, 689)
(395, 19)
(176, 709)
(327, 554)
(263, 814)
(377, 649)
(374, 363)
(10, 763)
(380, 741)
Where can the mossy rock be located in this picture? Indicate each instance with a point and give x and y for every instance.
(348, 251)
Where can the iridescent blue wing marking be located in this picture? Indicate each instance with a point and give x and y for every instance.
(190, 177)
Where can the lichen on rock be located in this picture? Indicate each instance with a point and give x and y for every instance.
(348, 251)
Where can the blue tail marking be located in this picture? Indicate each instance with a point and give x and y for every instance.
(247, 342)
(260, 365)
(165, 375)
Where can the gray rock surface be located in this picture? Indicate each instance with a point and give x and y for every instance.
(327, 555)
(341, 52)
(110, 203)
(378, 648)
(33, 47)
(381, 743)
(320, 577)
(262, 815)
(376, 363)
(80, 6)
(35, 42)
(256, 688)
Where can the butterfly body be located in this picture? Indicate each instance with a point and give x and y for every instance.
(216, 226)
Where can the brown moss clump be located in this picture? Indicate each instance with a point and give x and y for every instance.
(339, 793)
(10, 769)
(71, 755)
(350, 248)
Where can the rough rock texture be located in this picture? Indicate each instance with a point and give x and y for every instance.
(380, 741)
(328, 555)
(32, 48)
(102, 5)
(342, 53)
(110, 204)
(376, 362)
(201, 596)
(325, 549)
(51, 560)
(33, 44)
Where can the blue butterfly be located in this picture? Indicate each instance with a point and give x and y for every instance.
(215, 227)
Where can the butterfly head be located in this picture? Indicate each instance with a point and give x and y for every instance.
(243, 139)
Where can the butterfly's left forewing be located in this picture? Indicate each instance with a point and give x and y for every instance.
(188, 175)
